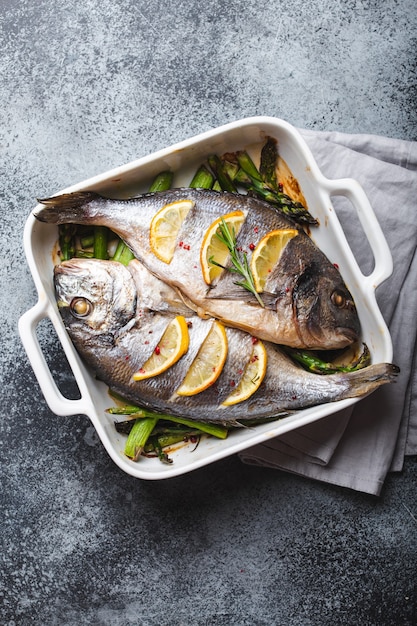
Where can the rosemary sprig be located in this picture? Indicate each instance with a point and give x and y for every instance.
(239, 260)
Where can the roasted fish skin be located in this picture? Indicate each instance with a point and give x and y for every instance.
(308, 304)
(114, 345)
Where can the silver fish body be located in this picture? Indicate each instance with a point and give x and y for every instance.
(307, 303)
(105, 309)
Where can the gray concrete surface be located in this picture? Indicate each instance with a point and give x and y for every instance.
(90, 85)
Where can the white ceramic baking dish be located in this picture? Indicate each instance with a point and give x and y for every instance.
(184, 157)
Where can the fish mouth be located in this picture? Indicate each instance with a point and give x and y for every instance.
(350, 334)
(71, 265)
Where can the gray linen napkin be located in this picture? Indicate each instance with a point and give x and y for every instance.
(356, 448)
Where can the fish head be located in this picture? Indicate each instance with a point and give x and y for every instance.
(324, 311)
(94, 297)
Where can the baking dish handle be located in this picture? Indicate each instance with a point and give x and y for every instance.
(353, 191)
(58, 403)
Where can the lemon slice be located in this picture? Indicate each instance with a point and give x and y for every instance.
(165, 226)
(171, 347)
(267, 254)
(213, 247)
(208, 364)
(252, 377)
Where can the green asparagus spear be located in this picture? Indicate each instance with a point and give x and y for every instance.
(248, 166)
(162, 182)
(67, 241)
(149, 441)
(125, 409)
(216, 165)
(171, 438)
(249, 177)
(87, 241)
(123, 254)
(101, 236)
(210, 429)
(138, 436)
(311, 362)
(158, 449)
(230, 165)
(168, 433)
(202, 179)
(268, 164)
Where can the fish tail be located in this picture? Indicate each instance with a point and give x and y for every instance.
(64, 208)
(370, 378)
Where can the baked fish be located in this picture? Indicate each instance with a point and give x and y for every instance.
(116, 316)
(305, 301)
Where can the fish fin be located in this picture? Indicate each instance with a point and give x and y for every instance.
(105, 340)
(58, 208)
(252, 422)
(124, 329)
(191, 306)
(231, 294)
(239, 293)
(366, 380)
(269, 299)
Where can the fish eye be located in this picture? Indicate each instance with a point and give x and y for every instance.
(339, 299)
(81, 307)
